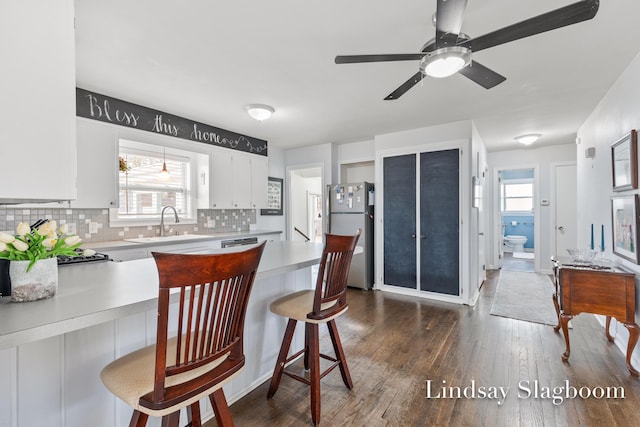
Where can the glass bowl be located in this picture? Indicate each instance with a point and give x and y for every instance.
(584, 256)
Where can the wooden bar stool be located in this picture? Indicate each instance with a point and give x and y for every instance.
(207, 351)
(322, 305)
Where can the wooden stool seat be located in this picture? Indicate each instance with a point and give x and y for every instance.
(131, 376)
(299, 304)
(212, 293)
(321, 305)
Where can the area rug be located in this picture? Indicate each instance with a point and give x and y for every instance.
(525, 296)
(524, 255)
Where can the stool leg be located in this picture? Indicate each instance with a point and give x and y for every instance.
(282, 356)
(306, 348)
(221, 409)
(337, 347)
(171, 420)
(193, 415)
(314, 371)
(138, 419)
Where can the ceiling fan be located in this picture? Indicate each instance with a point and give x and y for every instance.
(450, 51)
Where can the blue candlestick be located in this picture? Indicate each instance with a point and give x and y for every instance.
(602, 238)
(591, 236)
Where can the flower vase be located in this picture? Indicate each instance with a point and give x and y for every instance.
(38, 283)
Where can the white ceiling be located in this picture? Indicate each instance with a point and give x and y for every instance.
(207, 59)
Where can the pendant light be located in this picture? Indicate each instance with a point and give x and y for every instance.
(164, 173)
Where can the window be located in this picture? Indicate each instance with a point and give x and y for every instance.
(144, 189)
(517, 196)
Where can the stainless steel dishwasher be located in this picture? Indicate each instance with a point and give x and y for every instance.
(239, 242)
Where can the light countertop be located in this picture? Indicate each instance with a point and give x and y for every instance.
(123, 244)
(93, 293)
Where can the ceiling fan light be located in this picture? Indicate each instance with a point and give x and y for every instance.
(260, 112)
(445, 61)
(527, 139)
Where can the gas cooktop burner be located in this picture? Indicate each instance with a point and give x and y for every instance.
(65, 259)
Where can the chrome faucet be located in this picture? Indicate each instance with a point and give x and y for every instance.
(175, 212)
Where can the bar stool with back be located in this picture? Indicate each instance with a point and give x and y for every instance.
(314, 306)
(207, 351)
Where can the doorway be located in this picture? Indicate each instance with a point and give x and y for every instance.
(517, 219)
(565, 184)
(305, 196)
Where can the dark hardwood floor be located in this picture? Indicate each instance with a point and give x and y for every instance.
(395, 344)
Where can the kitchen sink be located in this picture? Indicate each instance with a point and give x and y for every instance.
(172, 238)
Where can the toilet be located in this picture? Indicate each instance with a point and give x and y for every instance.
(516, 243)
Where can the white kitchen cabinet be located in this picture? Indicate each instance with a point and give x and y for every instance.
(259, 173)
(97, 165)
(38, 101)
(237, 180)
(241, 183)
(221, 179)
(272, 237)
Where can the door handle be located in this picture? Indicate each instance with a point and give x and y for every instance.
(561, 228)
(422, 236)
(480, 234)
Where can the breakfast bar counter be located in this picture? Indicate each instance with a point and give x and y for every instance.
(53, 350)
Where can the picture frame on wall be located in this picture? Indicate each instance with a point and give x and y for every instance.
(274, 196)
(624, 162)
(624, 221)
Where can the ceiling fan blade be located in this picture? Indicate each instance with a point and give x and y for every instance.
(482, 75)
(352, 59)
(568, 15)
(413, 80)
(449, 16)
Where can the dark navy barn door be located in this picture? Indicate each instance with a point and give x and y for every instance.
(439, 221)
(399, 188)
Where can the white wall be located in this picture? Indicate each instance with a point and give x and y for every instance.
(357, 161)
(541, 159)
(312, 156)
(356, 152)
(432, 134)
(616, 114)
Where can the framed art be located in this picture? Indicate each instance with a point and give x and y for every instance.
(624, 221)
(624, 162)
(274, 197)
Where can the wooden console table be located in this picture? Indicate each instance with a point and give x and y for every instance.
(608, 291)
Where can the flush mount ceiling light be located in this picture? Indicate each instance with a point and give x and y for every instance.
(527, 139)
(445, 61)
(260, 112)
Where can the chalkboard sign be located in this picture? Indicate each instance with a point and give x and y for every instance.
(103, 108)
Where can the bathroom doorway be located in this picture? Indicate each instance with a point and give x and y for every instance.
(517, 219)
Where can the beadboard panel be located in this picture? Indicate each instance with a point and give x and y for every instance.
(56, 381)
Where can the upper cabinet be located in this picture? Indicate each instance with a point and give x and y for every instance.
(97, 165)
(259, 178)
(38, 101)
(237, 180)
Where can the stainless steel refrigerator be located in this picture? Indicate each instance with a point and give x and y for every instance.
(350, 206)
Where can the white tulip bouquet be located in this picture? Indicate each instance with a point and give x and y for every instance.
(46, 241)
